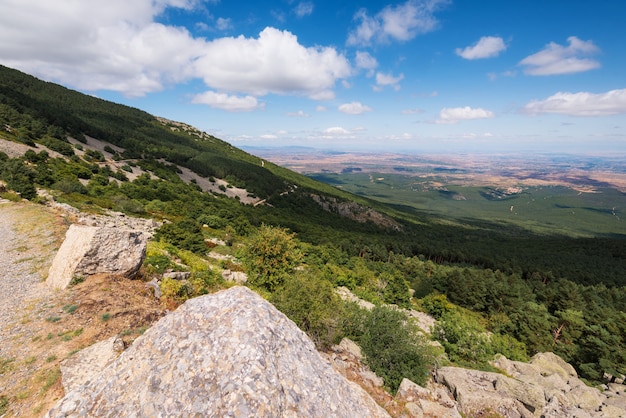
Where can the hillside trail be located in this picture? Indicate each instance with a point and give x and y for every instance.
(29, 238)
(39, 327)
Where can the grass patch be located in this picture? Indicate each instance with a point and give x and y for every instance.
(134, 331)
(6, 364)
(49, 378)
(30, 360)
(4, 405)
(70, 309)
(105, 317)
(53, 319)
(51, 358)
(76, 280)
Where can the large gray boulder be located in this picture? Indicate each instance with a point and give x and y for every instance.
(89, 250)
(564, 393)
(478, 392)
(227, 354)
(82, 366)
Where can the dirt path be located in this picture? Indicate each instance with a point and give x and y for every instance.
(40, 328)
(29, 238)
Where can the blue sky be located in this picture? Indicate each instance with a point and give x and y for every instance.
(417, 75)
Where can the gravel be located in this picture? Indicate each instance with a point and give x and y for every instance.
(20, 284)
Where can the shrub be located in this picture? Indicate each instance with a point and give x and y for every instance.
(270, 256)
(185, 234)
(94, 155)
(19, 177)
(392, 346)
(58, 145)
(464, 338)
(312, 304)
(68, 186)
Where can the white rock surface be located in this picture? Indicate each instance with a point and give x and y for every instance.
(227, 354)
(89, 250)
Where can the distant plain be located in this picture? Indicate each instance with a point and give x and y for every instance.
(574, 195)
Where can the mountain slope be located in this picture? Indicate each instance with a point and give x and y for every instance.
(536, 292)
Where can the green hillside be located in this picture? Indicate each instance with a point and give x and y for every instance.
(302, 238)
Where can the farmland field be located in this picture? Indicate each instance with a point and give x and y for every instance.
(572, 195)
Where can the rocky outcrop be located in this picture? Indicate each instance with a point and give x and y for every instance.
(547, 386)
(89, 250)
(355, 211)
(564, 392)
(434, 401)
(227, 354)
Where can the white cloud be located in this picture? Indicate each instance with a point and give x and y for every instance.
(354, 108)
(367, 62)
(272, 63)
(486, 47)
(299, 114)
(304, 8)
(401, 23)
(558, 59)
(321, 109)
(412, 111)
(223, 24)
(452, 115)
(581, 104)
(383, 80)
(227, 102)
(336, 130)
(118, 45)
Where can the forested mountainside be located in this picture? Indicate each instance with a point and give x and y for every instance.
(531, 292)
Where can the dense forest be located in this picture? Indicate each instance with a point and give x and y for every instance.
(492, 289)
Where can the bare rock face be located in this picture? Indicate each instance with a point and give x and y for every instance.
(89, 250)
(547, 387)
(227, 354)
(477, 392)
(85, 364)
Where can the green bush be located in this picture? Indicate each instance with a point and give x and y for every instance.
(58, 145)
(19, 177)
(312, 304)
(184, 234)
(393, 348)
(68, 186)
(270, 256)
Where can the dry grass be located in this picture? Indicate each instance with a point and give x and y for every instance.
(98, 308)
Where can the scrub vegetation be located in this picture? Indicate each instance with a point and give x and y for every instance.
(493, 286)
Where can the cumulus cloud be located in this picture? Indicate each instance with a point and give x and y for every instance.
(354, 108)
(486, 47)
(452, 115)
(401, 23)
(383, 80)
(336, 130)
(227, 102)
(118, 45)
(304, 8)
(366, 61)
(275, 62)
(580, 104)
(558, 59)
(223, 24)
